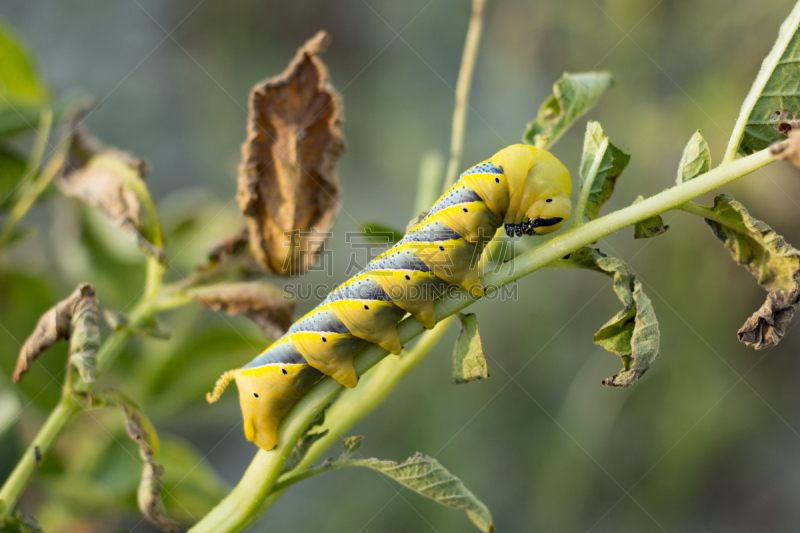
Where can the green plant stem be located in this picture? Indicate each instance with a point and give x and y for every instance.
(29, 196)
(708, 213)
(463, 86)
(41, 446)
(586, 186)
(250, 498)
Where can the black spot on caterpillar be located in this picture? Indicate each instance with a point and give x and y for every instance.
(439, 252)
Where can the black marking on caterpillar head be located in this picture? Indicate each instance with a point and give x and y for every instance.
(541, 222)
(255, 394)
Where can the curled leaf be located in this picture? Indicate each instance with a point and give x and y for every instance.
(789, 149)
(649, 227)
(263, 303)
(142, 432)
(20, 523)
(774, 263)
(110, 181)
(85, 335)
(53, 326)
(426, 476)
(696, 159)
(632, 333)
(469, 362)
(287, 182)
(611, 166)
(573, 95)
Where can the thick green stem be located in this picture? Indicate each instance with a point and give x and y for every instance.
(250, 498)
(586, 187)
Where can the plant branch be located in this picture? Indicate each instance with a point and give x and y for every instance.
(462, 91)
(250, 498)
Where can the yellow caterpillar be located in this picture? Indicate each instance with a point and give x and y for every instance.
(521, 187)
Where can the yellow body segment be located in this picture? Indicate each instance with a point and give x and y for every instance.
(371, 320)
(455, 261)
(330, 353)
(266, 394)
(412, 291)
(473, 221)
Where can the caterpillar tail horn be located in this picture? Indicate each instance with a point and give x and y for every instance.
(221, 384)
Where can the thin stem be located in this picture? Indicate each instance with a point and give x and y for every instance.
(428, 183)
(38, 449)
(250, 498)
(463, 86)
(708, 213)
(586, 187)
(29, 196)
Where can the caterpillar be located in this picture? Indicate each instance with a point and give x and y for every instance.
(522, 188)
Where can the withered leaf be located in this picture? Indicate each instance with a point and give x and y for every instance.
(85, 336)
(788, 149)
(774, 262)
(53, 326)
(142, 432)
(229, 258)
(110, 181)
(263, 303)
(633, 333)
(288, 188)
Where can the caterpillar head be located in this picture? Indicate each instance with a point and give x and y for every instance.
(539, 188)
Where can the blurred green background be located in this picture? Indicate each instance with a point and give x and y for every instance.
(708, 440)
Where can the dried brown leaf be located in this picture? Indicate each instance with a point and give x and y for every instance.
(287, 181)
(53, 326)
(110, 181)
(788, 149)
(263, 303)
(85, 336)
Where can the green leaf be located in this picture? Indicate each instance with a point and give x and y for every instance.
(633, 333)
(12, 169)
(649, 227)
(380, 234)
(696, 159)
(469, 362)
(774, 262)
(425, 475)
(573, 95)
(775, 89)
(19, 81)
(601, 185)
(350, 446)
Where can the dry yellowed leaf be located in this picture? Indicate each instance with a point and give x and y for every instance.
(263, 303)
(110, 181)
(287, 181)
(53, 326)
